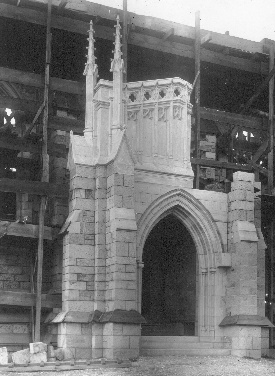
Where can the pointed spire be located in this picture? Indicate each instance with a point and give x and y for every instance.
(117, 63)
(91, 66)
(91, 73)
(117, 67)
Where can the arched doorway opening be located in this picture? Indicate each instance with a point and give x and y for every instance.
(169, 280)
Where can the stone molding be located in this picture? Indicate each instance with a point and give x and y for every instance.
(193, 215)
(207, 239)
(247, 320)
(118, 316)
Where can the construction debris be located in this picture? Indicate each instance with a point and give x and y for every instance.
(3, 355)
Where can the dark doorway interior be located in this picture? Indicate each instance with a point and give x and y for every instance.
(169, 280)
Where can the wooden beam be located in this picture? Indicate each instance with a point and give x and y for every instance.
(147, 41)
(22, 145)
(259, 90)
(219, 164)
(31, 106)
(36, 80)
(34, 187)
(19, 104)
(66, 124)
(17, 144)
(168, 34)
(187, 51)
(25, 230)
(27, 299)
(157, 24)
(247, 122)
(260, 151)
(271, 123)
(44, 178)
(206, 38)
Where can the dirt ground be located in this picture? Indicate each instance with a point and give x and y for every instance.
(179, 366)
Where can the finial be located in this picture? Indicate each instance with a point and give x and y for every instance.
(117, 62)
(91, 66)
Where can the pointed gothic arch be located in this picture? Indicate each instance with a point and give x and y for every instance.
(204, 231)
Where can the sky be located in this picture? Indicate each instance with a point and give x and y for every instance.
(248, 19)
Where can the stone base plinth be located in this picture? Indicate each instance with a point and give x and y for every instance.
(77, 337)
(121, 341)
(246, 340)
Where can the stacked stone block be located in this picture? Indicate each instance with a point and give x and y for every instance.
(100, 237)
(78, 251)
(242, 288)
(120, 340)
(79, 262)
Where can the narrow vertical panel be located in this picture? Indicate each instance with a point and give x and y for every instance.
(197, 93)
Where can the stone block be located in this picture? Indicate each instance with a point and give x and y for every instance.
(134, 342)
(131, 330)
(75, 341)
(68, 354)
(243, 176)
(254, 354)
(237, 195)
(97, 353)
(249, 196)
(82, 183)
(69, 328)
(82, 204)
(240, 353)
(125, 354)
(21, 357)
(74, 285)
(74, 269)
(244, 231)
(37, 347)
(130, 305)
(84, 306)
(244, 185)
(223, 260)
(128, 181)
(38, 357)
(58, 353)
(50, 352)
(3, 355)
(75, 239)
(84, 353)
(74, 228)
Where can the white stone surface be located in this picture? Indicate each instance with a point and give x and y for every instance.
(3, 355)
(58, 353)
(38, 347)
(38, 357)
(68, 354)
(21, 357)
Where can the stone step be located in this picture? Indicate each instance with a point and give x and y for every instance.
(188, 352)
(175, 345)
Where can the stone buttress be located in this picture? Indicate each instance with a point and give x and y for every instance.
(245, 321)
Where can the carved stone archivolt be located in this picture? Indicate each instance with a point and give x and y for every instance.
(205, 234)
